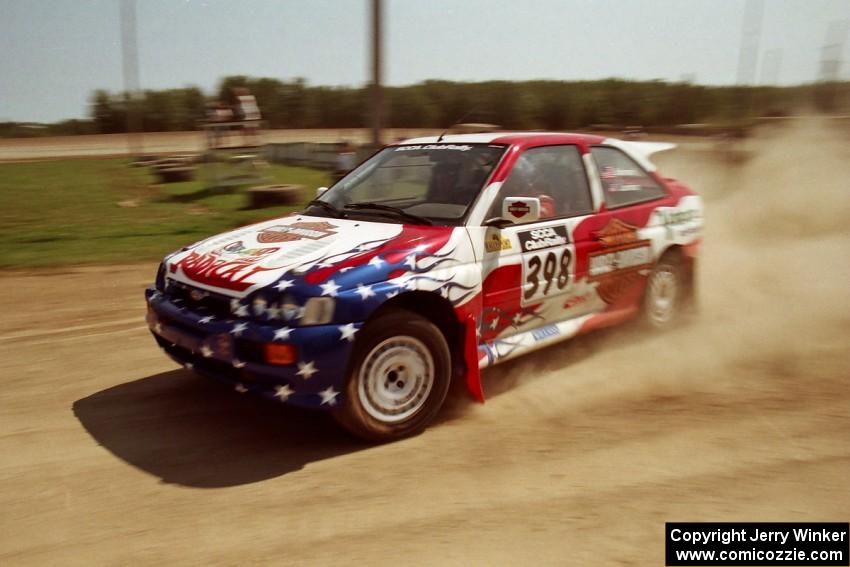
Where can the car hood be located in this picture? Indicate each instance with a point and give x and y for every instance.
(303, 249)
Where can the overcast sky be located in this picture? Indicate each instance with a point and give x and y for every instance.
(54, 53)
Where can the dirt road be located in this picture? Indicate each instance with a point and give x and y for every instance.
(164, 143)
(161, 143)
(111, 455)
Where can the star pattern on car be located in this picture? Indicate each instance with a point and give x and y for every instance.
(364, 291)
(282, 334)
(329, 288)
(328, 396)
(283, 392)
(347, 332)
(306, 369)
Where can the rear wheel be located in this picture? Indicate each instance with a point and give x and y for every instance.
(399, 377)
(665, 293)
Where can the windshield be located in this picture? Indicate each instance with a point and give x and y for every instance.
(419, 184)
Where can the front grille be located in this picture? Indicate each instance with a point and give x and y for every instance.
(250, 351)
(212, 365)
(245, 350)
(218, 368)
(209, 304)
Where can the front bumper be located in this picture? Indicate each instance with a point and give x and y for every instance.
(232, 350)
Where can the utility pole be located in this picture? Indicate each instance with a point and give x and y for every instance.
(750, 37)
(770, 67)
(377, 95)
(826, 90)
(833, 50)
(130, 61)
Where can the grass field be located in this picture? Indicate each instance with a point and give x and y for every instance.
(104, 211)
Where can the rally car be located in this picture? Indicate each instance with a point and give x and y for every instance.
(435, 258)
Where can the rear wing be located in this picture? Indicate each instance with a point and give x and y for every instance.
(641, 150)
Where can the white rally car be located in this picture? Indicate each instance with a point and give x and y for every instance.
(433, 259)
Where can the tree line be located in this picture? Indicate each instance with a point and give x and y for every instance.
(541, 104)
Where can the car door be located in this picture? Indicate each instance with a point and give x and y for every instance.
(530, 276)
(621, 250)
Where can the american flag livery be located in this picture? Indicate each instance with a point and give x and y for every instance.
(305, 286)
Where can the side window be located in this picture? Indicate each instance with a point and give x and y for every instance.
(623, 181)
(553, 174)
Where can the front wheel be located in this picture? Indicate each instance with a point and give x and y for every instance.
(398, 379)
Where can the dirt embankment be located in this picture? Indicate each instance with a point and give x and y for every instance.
(582, 452)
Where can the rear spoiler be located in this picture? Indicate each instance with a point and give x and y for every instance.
(641, 150)
(648, 148)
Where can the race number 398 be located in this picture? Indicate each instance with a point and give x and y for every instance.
(546, 273)
(545, 262)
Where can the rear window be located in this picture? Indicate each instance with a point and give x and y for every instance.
(624, 182)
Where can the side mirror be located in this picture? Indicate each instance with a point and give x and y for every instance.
(320, 190)
(521, 209)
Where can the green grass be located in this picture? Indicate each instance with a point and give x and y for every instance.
(68, 212)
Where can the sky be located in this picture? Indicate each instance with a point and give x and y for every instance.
(55, 53)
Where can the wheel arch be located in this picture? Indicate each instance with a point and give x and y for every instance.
(431, 306)
(678, 253)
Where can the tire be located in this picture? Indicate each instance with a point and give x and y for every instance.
(398, 379)
(665, 294)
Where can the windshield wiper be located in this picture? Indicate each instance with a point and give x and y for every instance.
(390, 209)
(326, 206)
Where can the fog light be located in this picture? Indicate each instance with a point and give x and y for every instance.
(281, 354)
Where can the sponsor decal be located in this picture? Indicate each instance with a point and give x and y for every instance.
(672, 217)
(546, 332)
(519, 209)
(238, 249)
(497, 242)
(575, 300)
(626, 257)
(669, 217)
(689, 231)
(617, 265)
(542, 238)
(450, 147)
(228, 273)
(617, 232)
(296, 231)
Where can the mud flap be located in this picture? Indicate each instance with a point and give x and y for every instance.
(470, 358)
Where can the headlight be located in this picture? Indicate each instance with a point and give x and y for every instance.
(318, 311)
(259, 306)
(289, 308)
